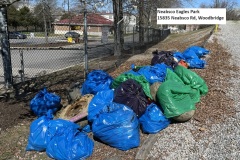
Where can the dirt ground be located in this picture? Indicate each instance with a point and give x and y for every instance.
(15, 114)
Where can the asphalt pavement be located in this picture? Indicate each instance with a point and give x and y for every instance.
(44, 60)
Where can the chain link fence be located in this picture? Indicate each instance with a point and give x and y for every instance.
(50, 57)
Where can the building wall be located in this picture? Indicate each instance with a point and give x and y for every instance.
(94, 31)
(91, 30)
(130, 21)
(60, 29)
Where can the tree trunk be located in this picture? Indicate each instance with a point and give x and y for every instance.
(50, 26)
(121, 24)
(45, 24)
(5, 48)
(141, 22)
(118, 27)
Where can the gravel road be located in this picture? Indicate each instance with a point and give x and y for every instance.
(221, 141)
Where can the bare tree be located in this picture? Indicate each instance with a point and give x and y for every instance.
(230, 5)
(91, 5)
(231, 8)
(147, 10)
(118, 26)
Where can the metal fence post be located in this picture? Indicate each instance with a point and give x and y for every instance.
(5, 48)
(21, 72)
(151, 34)
(159, 35)
(133, 50)
(85, 39)
(154, 38)
(148, 35)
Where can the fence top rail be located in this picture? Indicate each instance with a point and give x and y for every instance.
(61, 48)
(44, 48)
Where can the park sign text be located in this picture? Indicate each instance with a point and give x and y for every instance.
(191, 16)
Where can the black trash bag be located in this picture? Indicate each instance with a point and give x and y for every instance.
(163, 57)
(131, 94)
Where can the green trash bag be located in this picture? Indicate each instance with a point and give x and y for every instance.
(175, 98)
(193, 79)
(140, 79)
(190, 78)
(172, 76)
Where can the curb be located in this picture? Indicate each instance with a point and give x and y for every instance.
(146, 147)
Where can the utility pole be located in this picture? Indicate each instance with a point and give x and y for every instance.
(5, 46)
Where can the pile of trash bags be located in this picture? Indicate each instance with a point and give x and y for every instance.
(145, 98)
(192, 56)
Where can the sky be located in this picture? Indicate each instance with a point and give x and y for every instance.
(196, 3)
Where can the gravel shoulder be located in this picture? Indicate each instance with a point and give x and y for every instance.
(221, 140)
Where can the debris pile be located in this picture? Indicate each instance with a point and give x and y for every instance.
(146, 98)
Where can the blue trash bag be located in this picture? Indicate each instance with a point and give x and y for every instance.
(43, 129)
(189, 54)
(193, 60)
(199, 51)
(117, 125)
(156, 73)
(45, 101)
(152, 74)
(98, 102)
(96, 81)
(134, 70)
(86, 129)
(153, 120)
(196, 63)
(178, 55)
(57, 124)
(70, 144)
(39, 137)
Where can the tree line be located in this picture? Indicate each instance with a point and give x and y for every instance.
(32, 17)
(144, 10)
(45, 12)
